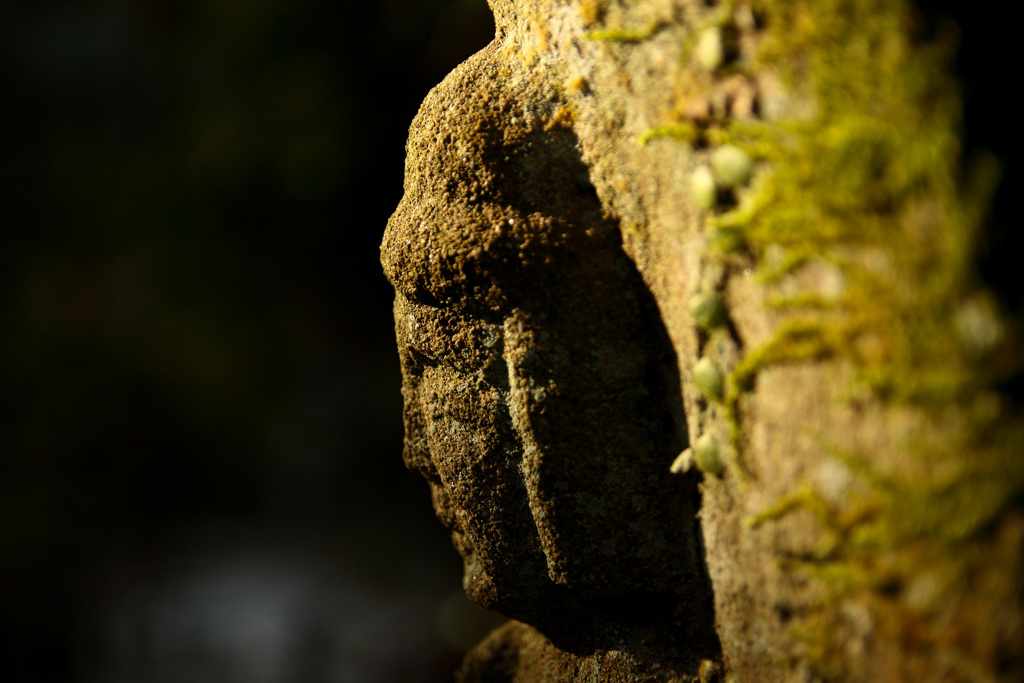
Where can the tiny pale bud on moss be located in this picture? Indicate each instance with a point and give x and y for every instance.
(708, 311)
(708, 378)
(706, 455)
(683, 462)
(709, 49)
(709, 671)
(702, 185)
(732, 165)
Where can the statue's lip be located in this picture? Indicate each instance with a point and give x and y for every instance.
(445, 514)
(466, 550)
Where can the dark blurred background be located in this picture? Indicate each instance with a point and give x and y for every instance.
(200, 419)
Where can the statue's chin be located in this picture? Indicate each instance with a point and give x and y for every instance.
(493, 591)
(481, 587)
(508, 594)
(539, 604)
(518, 587)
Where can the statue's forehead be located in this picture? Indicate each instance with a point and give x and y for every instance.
(451, 213)
(489, 194)
(474, 114)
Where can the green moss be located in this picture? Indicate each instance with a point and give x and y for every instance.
(842, 575)
(778, 509)
(901, 530)
(623, 35)
(751, 201)
(807, 300)
(795, 341)
(684, 131)
(851, 177)
(726, 240)
(849, 185)
(793, 258)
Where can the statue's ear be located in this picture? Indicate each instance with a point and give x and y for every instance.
(594, 398)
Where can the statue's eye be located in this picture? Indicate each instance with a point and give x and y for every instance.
(421, 359)
(417, 346)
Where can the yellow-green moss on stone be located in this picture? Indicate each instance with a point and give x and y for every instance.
(869, 182)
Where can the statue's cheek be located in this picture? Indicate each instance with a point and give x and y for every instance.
(466, 434)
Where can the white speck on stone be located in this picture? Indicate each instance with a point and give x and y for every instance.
(833, 283)
(977, 325)
(834, 479)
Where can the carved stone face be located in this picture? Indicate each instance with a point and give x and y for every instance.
(541, 392)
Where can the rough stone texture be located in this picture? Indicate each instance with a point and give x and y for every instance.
(542, 392)
(558, 280)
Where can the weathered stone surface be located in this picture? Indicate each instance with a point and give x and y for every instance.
(542, 392)
(554, 265)
(517, 653)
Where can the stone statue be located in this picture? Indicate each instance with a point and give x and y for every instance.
(542, 398)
